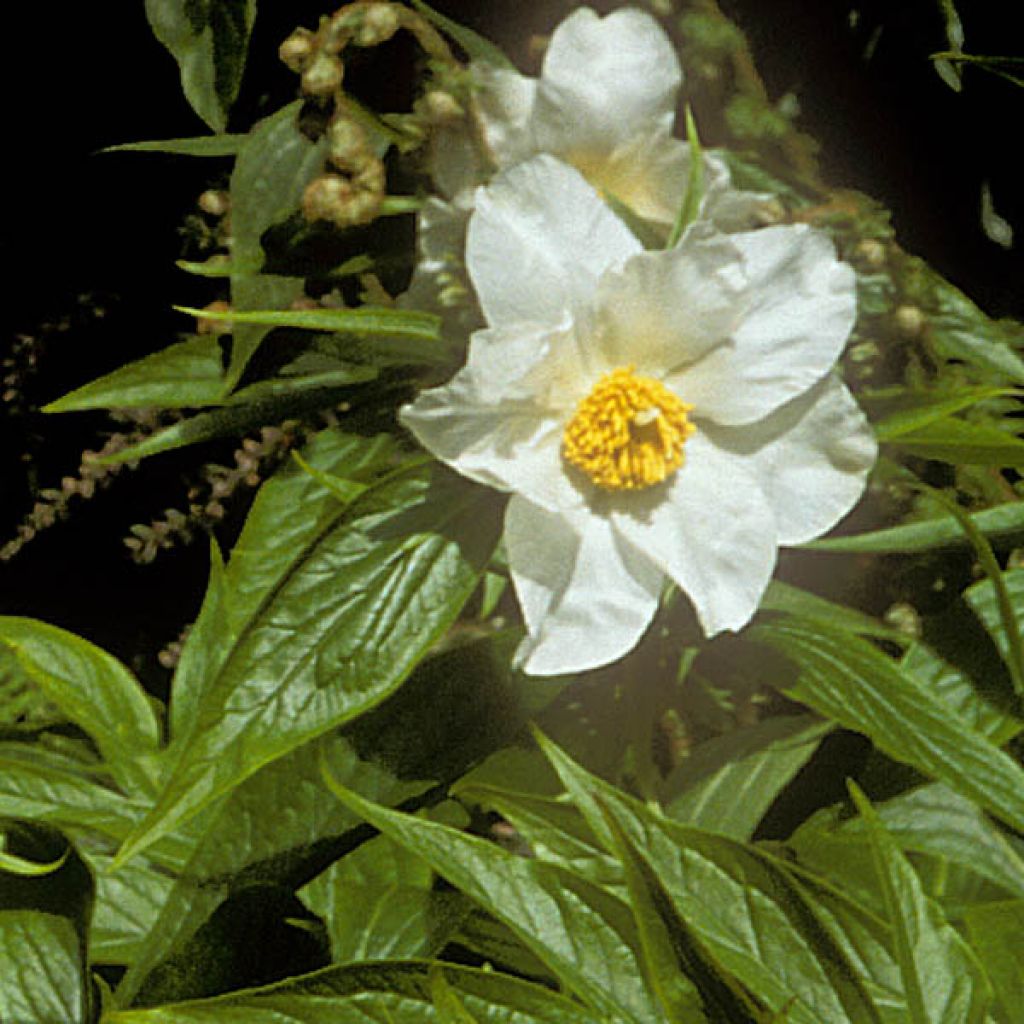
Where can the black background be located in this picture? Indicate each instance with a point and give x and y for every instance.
(83, 76)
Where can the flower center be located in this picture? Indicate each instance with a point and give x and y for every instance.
(628, 433)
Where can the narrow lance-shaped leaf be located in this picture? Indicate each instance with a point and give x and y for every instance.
(769, 943)
(942, 978)
(395, 991)
(584, 935)
(852, 682)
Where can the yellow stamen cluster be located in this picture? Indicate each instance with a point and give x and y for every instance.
(628, 433)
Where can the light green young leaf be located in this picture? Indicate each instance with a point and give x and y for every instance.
(339, 633)
(942, 979)
(14, 865)
(851, 681)
(727, 783)
(994, 930)
(769, 943)
(1002, 523)
(95, 691)
(395, 992)
(999, 603)
(189, 373)
(203, 145)
(689, 208)
(209, 39)
(584, 935)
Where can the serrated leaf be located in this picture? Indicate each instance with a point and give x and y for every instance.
(340, 632)
(727, 783)
(994, 930)
(95, 691)
(203, 145)
(388, 993)
(999, 603)
(847, 679)
(1003, 523)
(768, 943)
(584, 935)
(942, 979)
(189, 373)
(209, 39)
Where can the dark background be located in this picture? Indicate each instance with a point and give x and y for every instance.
(85, 234)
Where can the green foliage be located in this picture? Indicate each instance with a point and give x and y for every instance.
(209, 39)
(341, 813)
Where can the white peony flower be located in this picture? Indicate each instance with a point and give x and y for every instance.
(606, 103)
(654, 414)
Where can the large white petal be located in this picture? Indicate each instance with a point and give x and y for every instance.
(538, 242)
(586, 598)
(811, 459)
(711, 531)
(505, 101)
(604, 80)
(489, 423)
(794, 309)
(665, 310)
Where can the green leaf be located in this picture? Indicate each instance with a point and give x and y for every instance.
(963, 441)
(43, 977)
(14, 865)
(209, 39)
(767, 943)
(363, 321)
(999, 603)
(204, 145)
(690, 206)
(852, 682)
(1003, 523)
(190, 373)
(942, 979)
(476, 47)
(379, 904)
(924, 408)
(375, 590)
(583, 934)
(95, 691)
(247, 842)
(391, 993)
(727, 783)
(994, 930)
(933, 822)
(273, 168)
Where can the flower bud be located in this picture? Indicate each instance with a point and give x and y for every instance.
(324, 76)
(216, 202)
(378, 24)
(910, 321)
(871, 253)
(440, 107)
(297, 50)
(347, 143)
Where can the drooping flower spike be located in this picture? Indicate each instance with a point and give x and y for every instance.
(654, 414)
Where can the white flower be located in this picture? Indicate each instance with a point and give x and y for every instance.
(654, 414)
(606, 103)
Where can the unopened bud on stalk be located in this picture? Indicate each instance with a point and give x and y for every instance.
(870, 252)
(324, 76)
(347, 143)
(297, 50)
(214, 201)
(910, 321)
(440, 107)
(378, 24)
